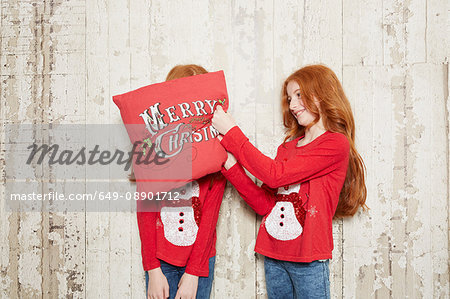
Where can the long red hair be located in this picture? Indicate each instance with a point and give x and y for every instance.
(178, 71)
(322, 83)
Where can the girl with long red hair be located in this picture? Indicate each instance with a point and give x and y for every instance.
(316, 176)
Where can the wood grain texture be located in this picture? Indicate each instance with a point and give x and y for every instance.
(62, 61)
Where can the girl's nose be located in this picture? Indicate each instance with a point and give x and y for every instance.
(292, 105)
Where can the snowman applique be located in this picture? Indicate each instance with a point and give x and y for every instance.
(180, 223)
(287, 218)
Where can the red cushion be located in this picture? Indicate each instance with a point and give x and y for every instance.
(182, 129)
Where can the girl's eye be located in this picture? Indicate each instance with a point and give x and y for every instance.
(298, 94)
(288, 99)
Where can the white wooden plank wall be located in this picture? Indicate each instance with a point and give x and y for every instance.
(61, 61)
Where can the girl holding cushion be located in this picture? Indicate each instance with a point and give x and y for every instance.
(178, 243)
(316, 176)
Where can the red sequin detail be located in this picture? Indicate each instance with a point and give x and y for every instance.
(197, 206)
(296, 200)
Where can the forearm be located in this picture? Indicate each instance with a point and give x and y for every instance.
(260, 200)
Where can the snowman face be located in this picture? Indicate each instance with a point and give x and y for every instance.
(281, 222)
(179, 223)
(290, 189)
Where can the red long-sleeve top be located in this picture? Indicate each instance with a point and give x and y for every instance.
(159, 239)
(299, 195)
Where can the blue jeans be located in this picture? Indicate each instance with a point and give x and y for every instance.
(287, 280)
(174, 273)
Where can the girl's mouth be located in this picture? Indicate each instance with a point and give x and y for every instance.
(300, 112)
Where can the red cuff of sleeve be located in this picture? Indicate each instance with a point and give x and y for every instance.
(233, 140)
(231, 171)
(152, 265)
(196, 271)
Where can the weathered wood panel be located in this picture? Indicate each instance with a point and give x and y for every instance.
(61, 61)
(235, 250)
(97, 234)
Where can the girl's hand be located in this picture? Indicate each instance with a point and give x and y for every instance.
(222, 121)
(158, 287)
(231, 160)
(187, 287)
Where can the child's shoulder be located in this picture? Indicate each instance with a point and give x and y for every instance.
(336, 141)
(337, 136)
